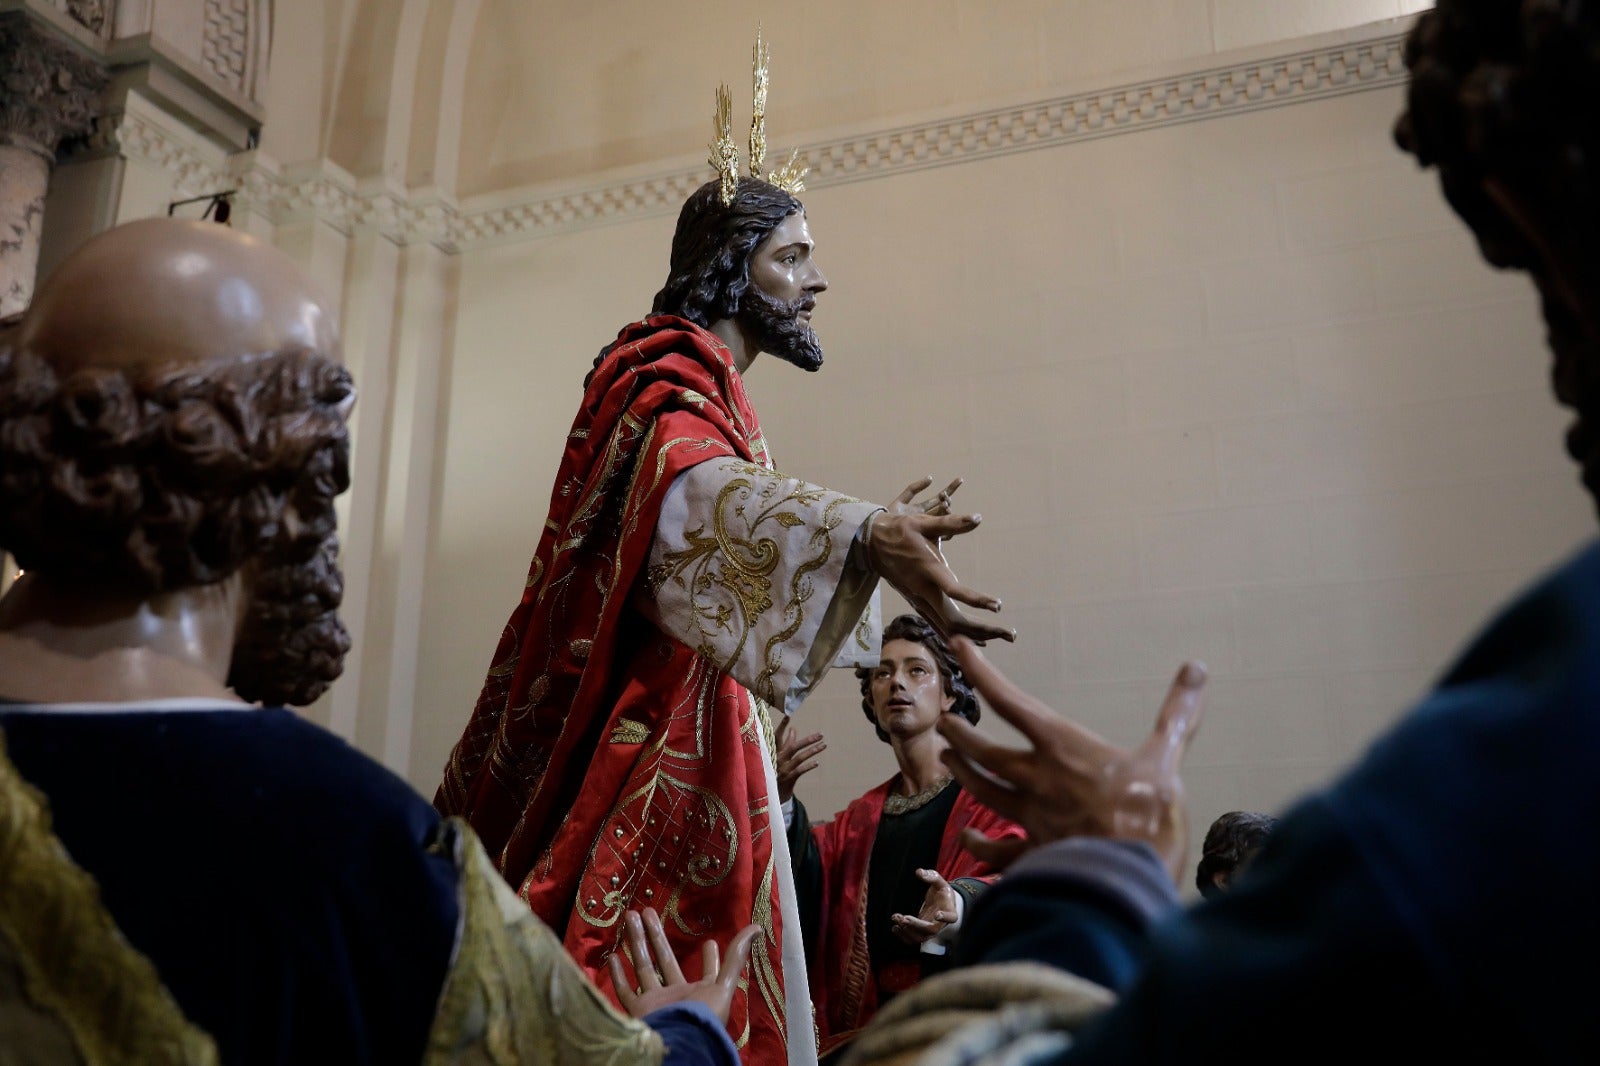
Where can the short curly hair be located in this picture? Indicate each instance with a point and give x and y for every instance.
(152, 480)
(1230, 841)
(915, 629)
(711, 248)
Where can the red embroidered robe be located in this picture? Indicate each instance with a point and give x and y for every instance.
(608, 765)
(844, 989)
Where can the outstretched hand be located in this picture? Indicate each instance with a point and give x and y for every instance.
(939, 504)
(938, 910)
(796, 756)
(1071, 782)
(903, 546)
(661, 980)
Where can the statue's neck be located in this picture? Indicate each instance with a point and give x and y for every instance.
(60, 644)
(730, 333)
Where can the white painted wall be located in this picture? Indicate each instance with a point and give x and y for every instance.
(1237, 389)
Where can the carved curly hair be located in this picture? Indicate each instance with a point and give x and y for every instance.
(1504, 93)
(149, 481)
(1507, 88)
(711, 247)
(914, 628)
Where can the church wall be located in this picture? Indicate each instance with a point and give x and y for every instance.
(1236, 388)
(622, 83)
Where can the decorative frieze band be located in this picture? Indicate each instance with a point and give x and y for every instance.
(1211, 93)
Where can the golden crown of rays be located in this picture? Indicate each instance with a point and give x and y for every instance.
(725, 154)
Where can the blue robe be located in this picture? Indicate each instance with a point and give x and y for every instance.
(292, 894)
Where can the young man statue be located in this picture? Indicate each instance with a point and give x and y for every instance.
(882, 881)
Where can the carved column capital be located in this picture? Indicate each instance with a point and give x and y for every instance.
(48, 90)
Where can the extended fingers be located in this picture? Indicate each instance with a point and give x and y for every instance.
(912, 489)
(666, 958)
(913, 924)
(738, 956)
(938, 527)
(940, 504)
(998, 852)
(998, 796)
(952, 587)
(965, 738)
(644, 967)
(1179, 718)
(1033, 719)
(809, 748)
(620, 983)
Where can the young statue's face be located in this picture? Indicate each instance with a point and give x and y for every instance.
(784, 284)
(908, 693)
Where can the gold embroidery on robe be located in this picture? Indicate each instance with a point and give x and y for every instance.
(513, 995)
(83, 985)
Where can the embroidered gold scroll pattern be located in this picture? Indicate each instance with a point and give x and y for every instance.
(800, 590)
(728, 570)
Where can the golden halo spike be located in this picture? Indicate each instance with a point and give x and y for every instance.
(759, 58)
(791, 176)
(724, 155)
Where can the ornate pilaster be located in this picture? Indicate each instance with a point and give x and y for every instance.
(49, 91)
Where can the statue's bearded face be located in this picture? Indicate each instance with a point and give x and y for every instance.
(784, 284)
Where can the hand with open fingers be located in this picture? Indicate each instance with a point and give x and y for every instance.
(907, 503)
(1070, 782)
(938, 910)
(796, 755)
(661, 982)
(904, 549)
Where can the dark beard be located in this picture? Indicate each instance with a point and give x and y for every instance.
(1575, 376)
(776, 327)
(292, 645)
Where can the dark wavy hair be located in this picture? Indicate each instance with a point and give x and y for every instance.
(913, 628)
(711, 247)
(151, 481)
(1232, 839)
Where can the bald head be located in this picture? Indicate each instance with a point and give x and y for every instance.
(163, 291)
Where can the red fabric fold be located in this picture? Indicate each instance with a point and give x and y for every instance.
(607, 765)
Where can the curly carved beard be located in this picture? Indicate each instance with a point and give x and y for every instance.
(292, 644)
(1575, 376)
(776, 326)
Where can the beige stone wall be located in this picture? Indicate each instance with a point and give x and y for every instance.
(1237, 389)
